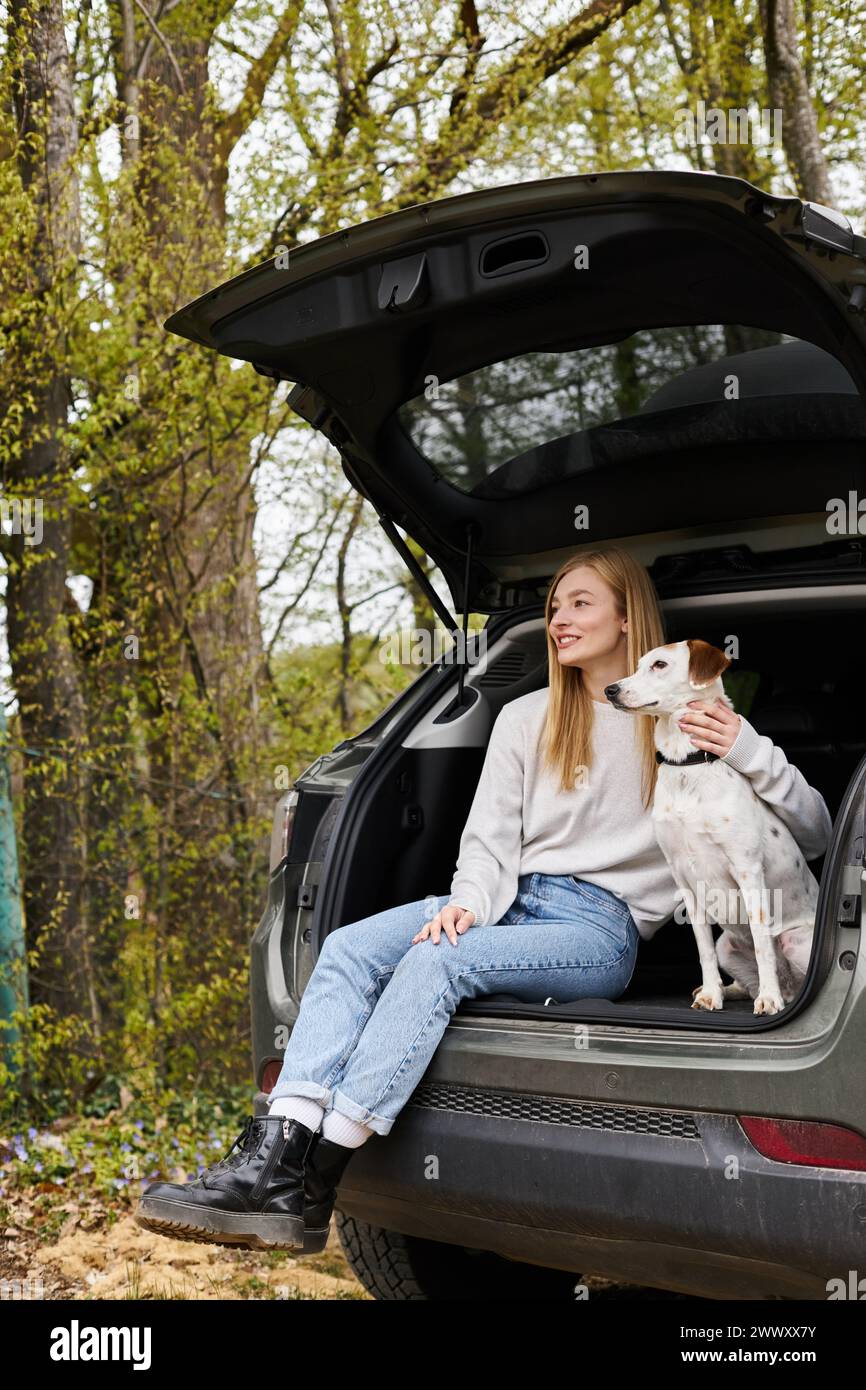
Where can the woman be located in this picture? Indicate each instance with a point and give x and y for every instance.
(559, 875)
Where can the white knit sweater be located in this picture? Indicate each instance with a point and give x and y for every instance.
(521, 823)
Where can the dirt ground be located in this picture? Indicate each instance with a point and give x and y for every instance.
(90, 1259)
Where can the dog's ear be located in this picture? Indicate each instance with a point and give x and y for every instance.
(706, 663)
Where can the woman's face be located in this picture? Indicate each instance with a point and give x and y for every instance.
(584, 623)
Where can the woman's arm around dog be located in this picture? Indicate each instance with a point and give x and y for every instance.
(802, 807)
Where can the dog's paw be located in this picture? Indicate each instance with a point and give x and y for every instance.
(736, 991)
(708, 998)
(769, 1004)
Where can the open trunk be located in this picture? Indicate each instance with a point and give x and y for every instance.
(799, 679)
(488, 363)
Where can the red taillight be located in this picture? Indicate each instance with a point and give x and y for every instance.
(269, 1076)
(281, 831)
(806, 1141)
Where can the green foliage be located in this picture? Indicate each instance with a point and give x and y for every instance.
(152, 720)
(124, 1139)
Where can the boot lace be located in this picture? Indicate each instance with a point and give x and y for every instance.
(231, 1159)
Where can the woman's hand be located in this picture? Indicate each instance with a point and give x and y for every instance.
(451, 919)
(712, 726)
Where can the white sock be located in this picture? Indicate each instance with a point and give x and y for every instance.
(340, 1129)
(309, 1112)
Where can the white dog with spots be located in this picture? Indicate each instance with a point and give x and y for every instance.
(735, 862)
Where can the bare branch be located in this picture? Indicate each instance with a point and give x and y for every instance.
(471, 34)
(165, 43)
(340, 53)
(536, 60)
(234, 125)
(311, 573)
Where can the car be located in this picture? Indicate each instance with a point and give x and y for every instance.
(674, 363)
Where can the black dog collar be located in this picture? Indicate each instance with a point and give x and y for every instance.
(701, 755)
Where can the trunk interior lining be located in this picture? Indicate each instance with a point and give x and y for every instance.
(805, 694)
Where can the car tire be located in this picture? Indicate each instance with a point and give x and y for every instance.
(398, 1268)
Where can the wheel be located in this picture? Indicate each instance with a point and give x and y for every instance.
(397, 1268)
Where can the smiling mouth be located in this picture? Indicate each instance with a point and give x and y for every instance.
(567, 641)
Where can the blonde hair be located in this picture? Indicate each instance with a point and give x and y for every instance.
(566, 742)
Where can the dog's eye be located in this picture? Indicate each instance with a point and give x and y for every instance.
(658, 666)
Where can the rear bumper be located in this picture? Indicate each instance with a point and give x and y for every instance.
(673, 1199)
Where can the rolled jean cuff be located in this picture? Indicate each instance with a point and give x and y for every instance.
(311, 1089)
(344, 1106)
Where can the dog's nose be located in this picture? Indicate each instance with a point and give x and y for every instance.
(610, 690)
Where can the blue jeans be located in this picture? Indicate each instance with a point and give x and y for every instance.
(375, 1007)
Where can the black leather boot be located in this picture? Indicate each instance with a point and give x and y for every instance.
(324, 1166)
(253, 1197)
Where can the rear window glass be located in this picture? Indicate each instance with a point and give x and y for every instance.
(525, 421)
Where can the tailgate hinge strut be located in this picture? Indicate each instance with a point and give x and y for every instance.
(439, 607)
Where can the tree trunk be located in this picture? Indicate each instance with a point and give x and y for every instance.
(212, 560)
(789, 93)
(44, 666)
